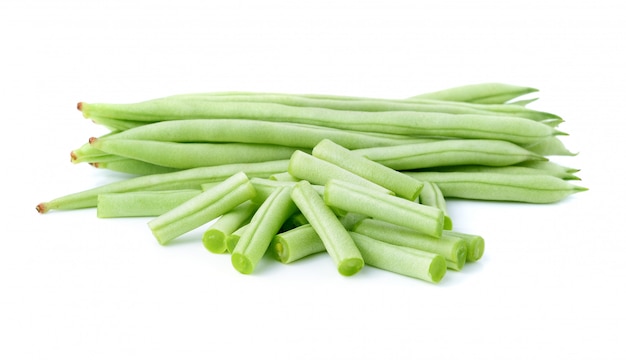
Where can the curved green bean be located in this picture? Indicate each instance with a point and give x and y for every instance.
(482, 93)
(449, 153)
(500, 187)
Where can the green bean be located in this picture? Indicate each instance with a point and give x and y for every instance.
(550, 146)
(192, 155)
(400, 184)
(401, 260)
(263, 226)
(549, 166)
(132, 166)
(500, 187)
(501, 109)
(483, 93)
(475, 244)
(452, 248)
(184, 179)
(214, 238)
(284, 176)
(203, 208)
(319, 172)
(296, 243)
(335, 237)
(517, 169)
(141, 203)
(431, 196)
(233, 239)
(265, 187)
(509, 128)
(256, 131)
(294, 221)
(449, 153)
(361, 200)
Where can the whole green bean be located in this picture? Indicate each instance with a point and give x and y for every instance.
(256, 131)
(449, 153)
(184, 179)
(509, 128)
(192, 155)
(500, 187)
(517, 169)
(482, 93)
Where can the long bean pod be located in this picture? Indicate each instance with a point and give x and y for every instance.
(482, 93)
(184, 179)
(500, 187)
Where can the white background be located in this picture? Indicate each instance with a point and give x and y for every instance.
(551, 284)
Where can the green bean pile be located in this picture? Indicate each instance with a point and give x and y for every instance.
(363, 179)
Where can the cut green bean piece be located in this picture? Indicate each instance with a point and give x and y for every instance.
(202, 208)
(214, 238)
(452, 248)
(319, 172)
(537, 189)
(233, 239)
(400, 184)
(296, 244)
(449, 153)
(399, 211)
(265, 187)
(401, 260)
(475, 244)
(483, 93)
(284, 176)
(184, 179)
(264, 225)
(335, 237)
(431, 196)
(141, 203)
(192, 155)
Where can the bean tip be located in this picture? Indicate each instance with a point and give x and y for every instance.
(79, 106)
(73, 156)
(41, 208)
(92, 139)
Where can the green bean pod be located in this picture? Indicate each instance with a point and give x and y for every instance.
(431, 196)
(184, 179)
(510, 128)
(141, 203)
(132, 166)
(193, 155)
(537, 189)
(296, 243)
(449, 153)
(482, 93)
(214, 238)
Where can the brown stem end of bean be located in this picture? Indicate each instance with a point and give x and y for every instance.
(42, 208)
(92, 139)
(79, 106)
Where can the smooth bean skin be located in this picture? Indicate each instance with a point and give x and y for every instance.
(449, 153)
(539, 189)
(184, 179)
(510, 128)
(431, 195)
(482, 93)
(141, 203)
(193, 155)
(132, 166)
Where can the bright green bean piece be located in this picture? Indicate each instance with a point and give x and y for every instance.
(184, 179)
(549, 166)
(510, 128)
(449, 153)
(399, 183)
(401, 260)
(296, 244)
(203, 208)
(133, 167)
(214, 238)
(475, 244)
(141, 203)
(192, 155)
(517, 169)
(284, 176)
(265, 187)
(500, 187)
(233, 239)
(431, 196)
(393, 209)
(319, 172)
(335, 237)
(483, 93)
(452, 248)
(256, 131)
(265, 224)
